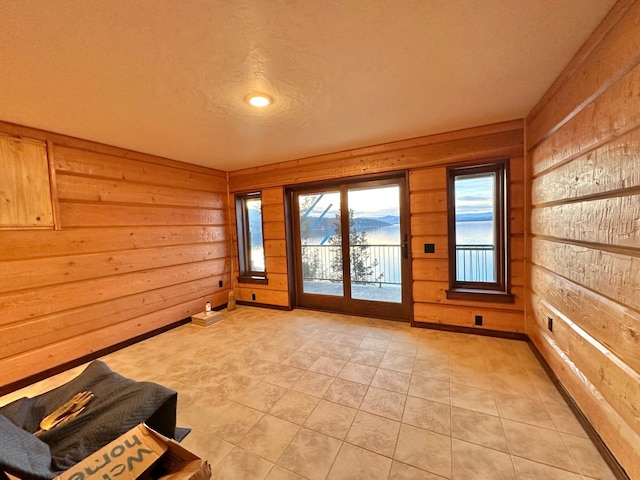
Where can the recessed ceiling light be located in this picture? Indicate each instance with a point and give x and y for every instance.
(259, 100)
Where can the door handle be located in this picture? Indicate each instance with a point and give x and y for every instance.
(405, 248)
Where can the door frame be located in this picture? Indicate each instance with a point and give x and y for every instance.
(339, 304)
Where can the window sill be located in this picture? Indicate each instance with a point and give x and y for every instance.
(480, 295)
(254, 280)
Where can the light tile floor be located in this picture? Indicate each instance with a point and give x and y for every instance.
(292, 395)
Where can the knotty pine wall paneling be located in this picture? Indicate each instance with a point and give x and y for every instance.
(426, 159)
(583, 164)
(142, 244)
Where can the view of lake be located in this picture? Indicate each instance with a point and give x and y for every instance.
(468, 233)
(474, 233)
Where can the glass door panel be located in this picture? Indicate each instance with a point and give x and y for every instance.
(375, 247)
(321, 243)
(350, 247)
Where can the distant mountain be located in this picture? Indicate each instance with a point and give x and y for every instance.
(365, 223)
(326, 224)
(390, 219)
(474, 217)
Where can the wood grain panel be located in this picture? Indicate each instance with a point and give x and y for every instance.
(25, 193)
(425, 158)
(435, 292)
(83, 162)
(277, 265)
(22, 365)
(95, 215)
(609, 221)
(464, 316)
(427, 179)
(440, 243)
(273, 213)
(126, 267)
(269, 297)
(18, 274)
(585, 246)
(614, 275)
(273, 230)
(517, 167)
(57, 327)
(21, 305)
(517, 247)
(516, 194)
(435, 269)
(41, 244)
(608, 60)
(518, 275)
(277, 281)
(275, 292)
(615, 432)
(398, 146)
(428, 201)
(87, 145)
(438, 150)
(425, 224)
(618, 384)
(613, 113)
(610, 323)
(275, 248)
(516, 221)
(612, 167)
(86, 189)
(273, 196)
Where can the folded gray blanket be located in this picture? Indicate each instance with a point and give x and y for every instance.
(119, 404)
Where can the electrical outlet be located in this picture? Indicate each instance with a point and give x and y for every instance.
(429, 248)
(219, 283)
(253, 296)
(550, 323)
(479, 320)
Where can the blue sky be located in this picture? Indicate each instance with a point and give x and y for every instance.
(474, 195)
(376, 202)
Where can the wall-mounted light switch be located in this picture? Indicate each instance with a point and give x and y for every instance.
(429, 248)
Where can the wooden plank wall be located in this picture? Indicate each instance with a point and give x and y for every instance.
(583, 142)
(426, 159)
(276, 292)
(142, 244)
(428, 194)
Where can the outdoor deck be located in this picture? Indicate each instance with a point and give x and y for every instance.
(374, 292)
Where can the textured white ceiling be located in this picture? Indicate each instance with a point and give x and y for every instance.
(169, 77)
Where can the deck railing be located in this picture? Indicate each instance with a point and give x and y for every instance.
(378, 264)
(475, 263)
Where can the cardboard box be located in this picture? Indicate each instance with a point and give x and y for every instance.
(140, 453)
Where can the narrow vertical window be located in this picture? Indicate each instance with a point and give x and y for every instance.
(478, 234)
(250, 241)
